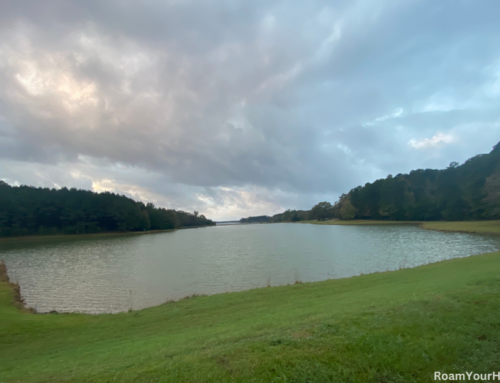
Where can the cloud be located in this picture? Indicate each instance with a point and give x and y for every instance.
(437, 140)
(242, 108)
(397, 113)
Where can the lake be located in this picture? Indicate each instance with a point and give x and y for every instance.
(109, 274)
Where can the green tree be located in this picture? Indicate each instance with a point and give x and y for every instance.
(492, 192)
(459, 192)
(322, 211)
(347, 211)
(144, 222)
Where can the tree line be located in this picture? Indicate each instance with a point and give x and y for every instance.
(286, 216)
(470, 191)
(27, 210)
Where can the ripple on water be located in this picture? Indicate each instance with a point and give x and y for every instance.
(113, 274)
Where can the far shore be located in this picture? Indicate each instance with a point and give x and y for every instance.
(478, 227)
(91, 235)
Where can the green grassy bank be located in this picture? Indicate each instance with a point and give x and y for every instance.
(361, 222)
(480, 227)
(387, 327)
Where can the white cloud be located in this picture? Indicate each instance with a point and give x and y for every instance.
(439, 139)
(397, 113)
(327, 44)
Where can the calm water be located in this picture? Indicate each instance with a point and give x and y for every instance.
(118, 273)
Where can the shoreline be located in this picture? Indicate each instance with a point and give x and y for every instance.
(465, 227)
(20, 302)
(435, 316)
(442, 227)
(422, 316)
(17, 299)
(471, 227)
(33, 238)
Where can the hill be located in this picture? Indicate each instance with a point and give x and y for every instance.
(470, 191)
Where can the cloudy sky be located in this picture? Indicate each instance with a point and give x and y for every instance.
(238, 108)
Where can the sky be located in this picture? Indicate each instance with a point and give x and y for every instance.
(241, 108)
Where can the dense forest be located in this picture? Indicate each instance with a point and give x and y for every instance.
(470, 191)
(27, 210)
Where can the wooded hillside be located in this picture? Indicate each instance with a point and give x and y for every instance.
(27, 210)
(470, 191)
(460, 192)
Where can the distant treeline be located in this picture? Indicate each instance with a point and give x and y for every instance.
(287, 216)
(27, 210)
(470, 191)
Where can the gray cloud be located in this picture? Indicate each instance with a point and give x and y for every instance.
(243, 108)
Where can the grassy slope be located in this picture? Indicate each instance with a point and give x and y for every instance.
(483, 227)
(361, 222)
(389, 327)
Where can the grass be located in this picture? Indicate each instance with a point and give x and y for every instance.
(388, 327)
(361, 222)
(480, 227)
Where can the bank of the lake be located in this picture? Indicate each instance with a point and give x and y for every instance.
(98, 275)
(70, 237)
(477, 227)
(387, 327)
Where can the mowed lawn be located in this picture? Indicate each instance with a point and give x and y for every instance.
(397, 326)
